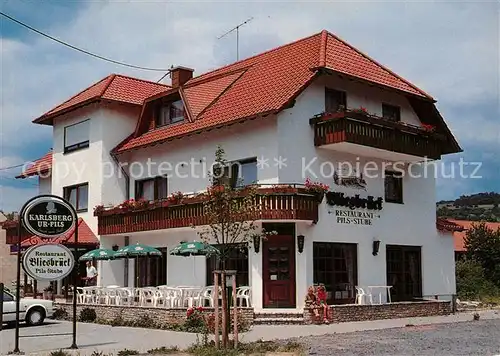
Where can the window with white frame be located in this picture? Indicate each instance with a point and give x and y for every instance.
(76, 136)
(151, 188)
(237, 173)
(78, 196)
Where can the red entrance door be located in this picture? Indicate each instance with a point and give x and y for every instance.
(278, 267)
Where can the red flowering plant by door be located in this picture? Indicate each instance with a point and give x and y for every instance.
(316, 301)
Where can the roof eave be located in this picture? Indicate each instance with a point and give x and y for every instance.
(48, 119)
(26, 175)
(117, 150)
(328, 70)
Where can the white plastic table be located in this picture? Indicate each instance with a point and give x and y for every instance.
(382, 289)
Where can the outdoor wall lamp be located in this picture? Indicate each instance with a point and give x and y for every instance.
(300, 243)
(115, 247)
(256, 243)
(376, 247)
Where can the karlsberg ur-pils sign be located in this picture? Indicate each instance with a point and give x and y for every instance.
(48, 216)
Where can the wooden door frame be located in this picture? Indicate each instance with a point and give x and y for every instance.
(292, 267)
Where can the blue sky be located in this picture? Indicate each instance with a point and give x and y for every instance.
(449, 49)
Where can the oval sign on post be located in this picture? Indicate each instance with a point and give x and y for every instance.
(48, 216)
(48, 262)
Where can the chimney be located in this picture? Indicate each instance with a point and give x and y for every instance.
(180, 75)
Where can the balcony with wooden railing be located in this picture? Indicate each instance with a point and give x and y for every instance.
(286, 202)
(361, 128)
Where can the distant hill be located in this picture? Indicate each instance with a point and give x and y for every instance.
(475, 207)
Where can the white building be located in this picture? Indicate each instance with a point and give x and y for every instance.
(259, 111)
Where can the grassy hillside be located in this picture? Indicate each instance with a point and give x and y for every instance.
(475, 207)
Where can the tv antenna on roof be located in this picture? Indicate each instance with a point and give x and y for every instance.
(237, 29)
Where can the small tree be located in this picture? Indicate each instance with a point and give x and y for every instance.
(231, 210)
(483, 245)
(471, 281)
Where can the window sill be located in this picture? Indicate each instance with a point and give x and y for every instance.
(158, 126)
(394, 201)
(75, 149)
(82, 210)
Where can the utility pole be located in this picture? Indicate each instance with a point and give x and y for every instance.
(237, 29)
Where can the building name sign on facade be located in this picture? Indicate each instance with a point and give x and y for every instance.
(48, 216)
(48, 262)
(355, 202)
(351, 217)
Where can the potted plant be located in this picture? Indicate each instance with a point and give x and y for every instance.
(283, 188)
(317, 188)
(176, 198)
(429, 128)
(98, 209)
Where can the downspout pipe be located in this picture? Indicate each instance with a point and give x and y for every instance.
(125, 174)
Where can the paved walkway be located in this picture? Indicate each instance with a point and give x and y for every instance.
(107, 339)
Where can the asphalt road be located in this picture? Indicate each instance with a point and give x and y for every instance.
(466, 338)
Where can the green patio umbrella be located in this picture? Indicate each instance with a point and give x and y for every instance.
(194, 248)
(136, 251)
(98, 254)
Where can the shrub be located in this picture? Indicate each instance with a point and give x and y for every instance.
(59, 353)
(163, 350)
(471, 281)
(60, 314)
(144, 321)
(127, 352)
(251, 348)
(88, 315)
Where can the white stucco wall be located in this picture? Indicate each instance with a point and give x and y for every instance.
(109, 125)
(252, 139)
(411, 223)
(44, 185)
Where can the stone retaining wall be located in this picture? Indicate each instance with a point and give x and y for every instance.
(355, 312)
(162, 316)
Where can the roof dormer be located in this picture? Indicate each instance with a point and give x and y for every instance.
(169, 111)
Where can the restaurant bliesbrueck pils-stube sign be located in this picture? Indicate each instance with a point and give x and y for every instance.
(49, 262)
(49, 217)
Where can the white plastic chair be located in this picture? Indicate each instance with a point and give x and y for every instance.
(80, 295)
(90, 295)
(159, 298)
(243, 295)
(191, 297)
(124, 297)
(207, 295)
(146, 297)
(361, 295)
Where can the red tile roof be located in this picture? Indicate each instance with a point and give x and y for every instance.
(266, 84)
(447, 225)
(115, 87)
(459, 236)
(85, 237)
(39, 167)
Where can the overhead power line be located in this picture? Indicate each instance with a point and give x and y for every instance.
(80, 49)
(12, 167)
